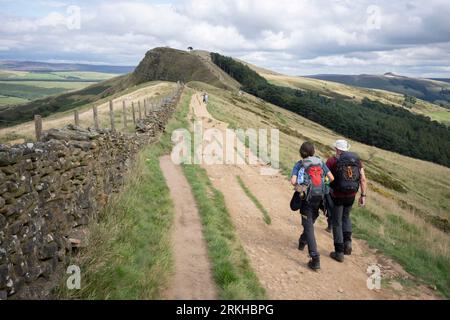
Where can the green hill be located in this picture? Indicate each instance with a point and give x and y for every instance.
(164, 64)
(370, 122)
(429, 90)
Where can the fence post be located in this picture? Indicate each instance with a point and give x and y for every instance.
(140, 111)
(111, 115)
(76, 118)
(94, 110)
(38, 126)
(124, 114)
(134, 113)
(145, 108)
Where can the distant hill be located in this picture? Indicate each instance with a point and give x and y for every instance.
(429, 90)
(441, 79)
(34, 66)
(165, 64)
(368, 121)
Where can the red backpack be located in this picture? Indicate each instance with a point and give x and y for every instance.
(314, 177)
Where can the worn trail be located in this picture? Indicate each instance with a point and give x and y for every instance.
(272, 249)
(192, 278)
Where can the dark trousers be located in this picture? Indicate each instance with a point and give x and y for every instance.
(310, 211)
(342, 224)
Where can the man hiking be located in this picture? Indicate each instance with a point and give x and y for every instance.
(349, 176)
(205, 98)
(309, 178)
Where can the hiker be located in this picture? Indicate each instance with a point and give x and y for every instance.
(309, 177)
(349, 176)
(205, 98)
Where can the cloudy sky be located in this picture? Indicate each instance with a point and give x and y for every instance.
(293, 37)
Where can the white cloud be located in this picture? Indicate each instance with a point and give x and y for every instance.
(305, 36)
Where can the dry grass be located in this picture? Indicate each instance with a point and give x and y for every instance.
(151, 90)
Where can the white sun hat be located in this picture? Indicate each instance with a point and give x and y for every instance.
(342, 145)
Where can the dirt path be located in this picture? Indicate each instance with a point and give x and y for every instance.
(192, 279)
(272, 249)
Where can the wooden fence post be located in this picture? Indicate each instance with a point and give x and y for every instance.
(134, 112)
(140, 111)
(145, 108)
(38, 126)
(94, 110)
(111, 115)
(76, 118)
(124, 114)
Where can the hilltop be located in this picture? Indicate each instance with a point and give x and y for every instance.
(159, 64)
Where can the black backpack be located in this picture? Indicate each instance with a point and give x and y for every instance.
(348, 173)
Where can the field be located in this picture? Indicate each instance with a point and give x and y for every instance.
(403, 219)
(21, 86)
(337, 90)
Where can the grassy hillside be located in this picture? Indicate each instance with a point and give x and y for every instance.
(370, 122)
(25, 131)
(351, 93)
(169, 64)
(403, 219)
(429, 90)
(11, 115)
(159, 64)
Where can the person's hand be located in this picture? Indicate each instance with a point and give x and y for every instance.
(362, 201)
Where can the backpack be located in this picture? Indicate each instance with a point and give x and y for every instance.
(348, 173)
(314, 177)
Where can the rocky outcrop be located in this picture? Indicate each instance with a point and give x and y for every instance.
(50, 190)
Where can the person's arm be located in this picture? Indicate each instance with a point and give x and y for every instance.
(328, 173)
(294, 180)
(330, 176)
(362, 199)
(294, 174)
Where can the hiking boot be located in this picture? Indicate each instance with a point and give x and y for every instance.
(314, 263)
(338, 256)
(301, 245)
(348, 248)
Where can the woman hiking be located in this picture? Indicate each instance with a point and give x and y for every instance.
(309, 178)
(349, 176)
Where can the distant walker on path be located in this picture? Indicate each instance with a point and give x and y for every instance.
(205, 98)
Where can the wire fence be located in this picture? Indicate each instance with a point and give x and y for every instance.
(121, 114)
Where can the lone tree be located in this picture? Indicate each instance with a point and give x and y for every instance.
(190, 48)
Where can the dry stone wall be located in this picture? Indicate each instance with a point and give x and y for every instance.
(51, 189)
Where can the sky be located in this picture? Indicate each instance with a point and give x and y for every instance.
(293, 37)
